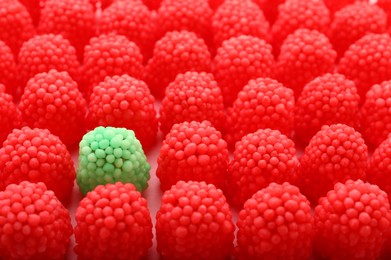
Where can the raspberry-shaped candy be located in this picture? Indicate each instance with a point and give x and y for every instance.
(193, 151)
(296, 14)
(269, 8)
(240, 59)
(276, 223)
(53, 101)
(33, 223)
(110, 55)
(132, 19)
(238, 17)
(34, 8)
(8, 69)
(10, 117)
(177, 52)
(375, 114)
(123, 101)
(263, 103)
(16, 25)
(194, 222)
(260, 158)
(367, 61)
(113, 222)
(336, 153)
(73, 19)
(108, 155)
(352, 221)
(38, 156)
(326, 100)
(304, 55)
(192, 96)
(45, 52)
(353, 22)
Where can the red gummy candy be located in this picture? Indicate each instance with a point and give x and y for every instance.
(10, 117)
(113, 222)
(194, 222)
(8, 69)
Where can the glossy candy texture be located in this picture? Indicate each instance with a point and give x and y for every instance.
(10, 117)
(8, 70)
(113, 222)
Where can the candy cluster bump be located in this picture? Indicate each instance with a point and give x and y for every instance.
(336, 153)
(194, 222)
(8, 69)
(108, 155)
(352, 221)
(275, 223)
(33, 223)
(263, 103)
(10, 117)
(113, 222)
(193, 151)
(192, 96)
(260, 158)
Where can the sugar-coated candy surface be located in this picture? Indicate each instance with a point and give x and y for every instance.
(73, 19)
(8, 69)
(352, 221)
(45, 52)
(238, 17)
(36, 155)
(53, 101)
(260, 158)
(336, 153)
(367, 61)
(33, 223)
(108, 155)
(10, 117)
(192, 96)
(354, 21)
(275, 223)
(238, 60)
(113, 222)
(123, 101)
(328, 99)
(194, 222)
(176, 52)
(375, 114)
(305, 54)
(193, 151)
(269, 8)
(262, 103)
(110, 55)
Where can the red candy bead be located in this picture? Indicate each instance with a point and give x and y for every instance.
(10, 117)
(113, 222)
(8, 69)
(304, 55)
(193, 151)
(336, 153)
(177, 52)
(192, 96)
(263, 103)
(352, 221)
(276, 223)
(194, 222)
(33, 223)
(260, 158)
(123, 101)
(238, 60)
(38, 156)
(326, 100)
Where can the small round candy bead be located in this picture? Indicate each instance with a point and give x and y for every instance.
(10, 117)
(33, 223)
(123, 101)
(275, 223)
(263, 103)
(8, 70)
(108, 155)
(36, 155)
(194, 222)
(326, 100)
(113, 222)
(260, 158)
(238, 60)
(336, 153)
(352, 221)
(53, 101)
(192, 96)
(193, 151)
